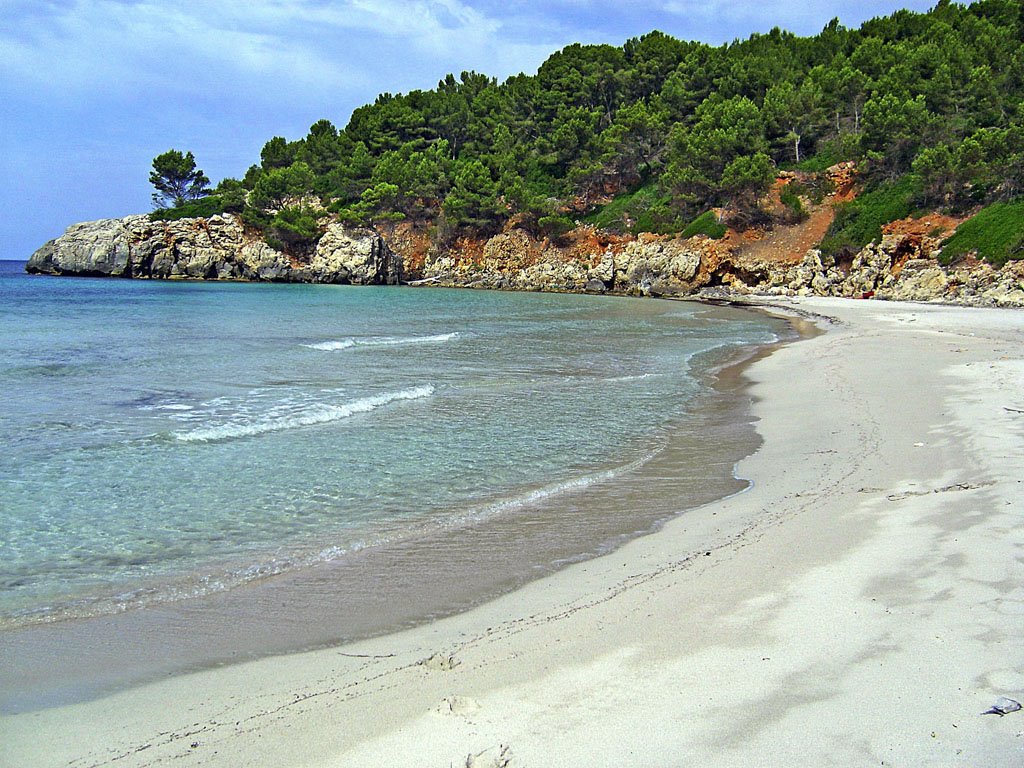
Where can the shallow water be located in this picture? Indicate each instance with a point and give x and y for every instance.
(221, 471)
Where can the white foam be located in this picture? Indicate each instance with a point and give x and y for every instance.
(335, 346)
(438, 339)
(315, 414)
(635, 377)
(555, 489)
(332, 346)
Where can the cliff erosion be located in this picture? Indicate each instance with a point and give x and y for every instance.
(903, 266)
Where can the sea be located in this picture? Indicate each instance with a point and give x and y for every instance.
(198, 473)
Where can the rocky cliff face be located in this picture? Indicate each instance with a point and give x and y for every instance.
(586, 261)
(214, 248)
(903, 266)
(896, 269)
(899, 268)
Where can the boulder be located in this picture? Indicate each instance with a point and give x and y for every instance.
(657, 267)
(357, 256)
(99, 248)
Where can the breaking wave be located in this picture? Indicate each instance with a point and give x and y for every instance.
(308, 416)
(337, 345)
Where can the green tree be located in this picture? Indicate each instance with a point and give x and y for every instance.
(296, 226)
(635, 143)
(347, 180)
(274, 188)
(177, 180)
(746, 178)
(674, 127)
(377, 203)
(278, 153)
(232, 195)
(725, 130)
(791, 112)
(322, 149)
(651, 59)
(473, 200)
(844, 90)
(422, 177)
(894, 129)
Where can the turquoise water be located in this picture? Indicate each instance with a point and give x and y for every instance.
(168, 441)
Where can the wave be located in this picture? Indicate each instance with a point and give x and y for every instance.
(544, 493)
(316, 414)
(167, 407)
(335, 346)
(332, 346)
(634, 377)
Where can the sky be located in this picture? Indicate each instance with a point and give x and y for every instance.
(92, 90)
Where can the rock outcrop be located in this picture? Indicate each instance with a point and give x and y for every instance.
(896, 269)
(213, 248)
(586, 261)
(903, 266)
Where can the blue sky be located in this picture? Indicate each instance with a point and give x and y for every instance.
(92, 90)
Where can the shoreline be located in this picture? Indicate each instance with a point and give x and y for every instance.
(78, 659)
(859, 604)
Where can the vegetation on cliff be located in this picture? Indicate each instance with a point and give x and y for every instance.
(995, 234)
(651, 135)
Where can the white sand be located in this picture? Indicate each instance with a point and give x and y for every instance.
(860, 606)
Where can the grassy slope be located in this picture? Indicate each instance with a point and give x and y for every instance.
(995, 233)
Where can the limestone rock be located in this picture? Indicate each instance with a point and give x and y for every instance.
(902, 266)
(441, 661)
(499, 756)
(509, 251)
(210, 248)
(356, 256)
(919, 280)
(90, 248)
(657, 267)
(604, 270)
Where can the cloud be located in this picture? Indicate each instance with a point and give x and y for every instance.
(92, 90)
(88, 47)
(85, 48)
(731, 20)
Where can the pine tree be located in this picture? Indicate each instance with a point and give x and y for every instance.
(177, 180)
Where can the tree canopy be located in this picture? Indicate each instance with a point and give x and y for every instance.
(936, 96)
(177, 180)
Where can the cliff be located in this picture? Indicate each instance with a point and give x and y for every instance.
(900, 268)
(903, 266)
(214, 248)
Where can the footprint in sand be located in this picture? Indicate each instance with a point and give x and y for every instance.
(458, 705)
(495, 757)
(441, 661)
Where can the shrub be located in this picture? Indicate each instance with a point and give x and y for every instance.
(555, 226)
(795, 211)
(996, 234)
(860, 221)
(204, 207)
(644, 209)
(705, 224)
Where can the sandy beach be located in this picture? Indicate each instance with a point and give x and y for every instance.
(862, 604)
